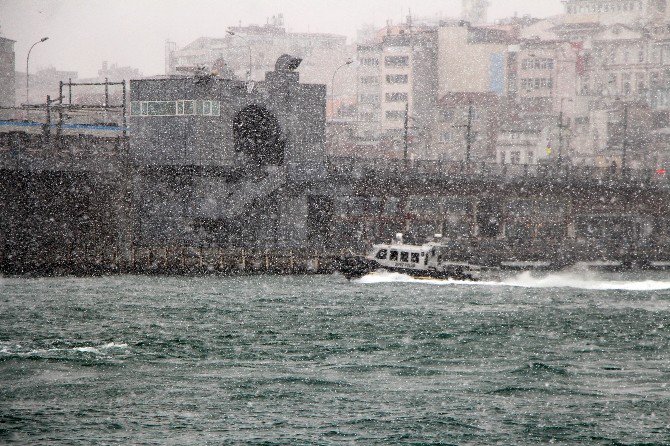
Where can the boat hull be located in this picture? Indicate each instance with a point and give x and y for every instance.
(355, 267)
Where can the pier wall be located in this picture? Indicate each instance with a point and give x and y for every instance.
(219, 175)
(70, 205)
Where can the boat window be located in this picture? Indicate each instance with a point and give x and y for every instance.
(394, 255)
(381, 255)
(404, 256)
(415, 257)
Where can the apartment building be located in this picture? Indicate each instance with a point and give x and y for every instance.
(622, 64)
(472, 59)
(542, 74)
(369, 91)
(529, 140)
(396, 88)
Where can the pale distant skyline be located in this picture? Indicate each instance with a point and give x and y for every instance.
(84, 33)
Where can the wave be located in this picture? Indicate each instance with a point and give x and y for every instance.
(20, 351)
(563, 279)
(540, 368)
(101, 349)
(582, 280)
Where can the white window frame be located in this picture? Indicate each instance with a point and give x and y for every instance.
(213, 108)
(181, 107)
(198, 107)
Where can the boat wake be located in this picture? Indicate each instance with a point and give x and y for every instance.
(563, 279)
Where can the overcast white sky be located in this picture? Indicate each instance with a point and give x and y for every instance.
(83, 33)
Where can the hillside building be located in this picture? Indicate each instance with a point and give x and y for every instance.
(251, 51)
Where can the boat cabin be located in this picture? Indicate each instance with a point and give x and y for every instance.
(405, 256)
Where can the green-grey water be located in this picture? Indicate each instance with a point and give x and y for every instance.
(562, 358)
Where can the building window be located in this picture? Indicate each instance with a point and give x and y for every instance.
(396, 97)
(369, 99)
(161, 108)
(369, 80)
(640, 82)
(210, 108)
(153, 108)
(536, 83)
(447, 115)
(369, 62)
(396, 78)
(625, 84)
(136, 108)
(515, 157)
(538, 64)
(395, 115)
(396, 61)
(185, 107)
(175, 108)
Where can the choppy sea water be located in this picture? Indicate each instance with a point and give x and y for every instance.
(566, 358)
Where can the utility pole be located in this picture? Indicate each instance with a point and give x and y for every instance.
(468, 137)
(625, 139)
(469, 134)
(406, 131)
(560, 137)
(560, 132)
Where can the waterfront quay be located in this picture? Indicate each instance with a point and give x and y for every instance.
(75, 211)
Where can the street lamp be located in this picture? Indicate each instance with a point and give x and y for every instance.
(232, 33)
(332, 84)
(43, 39)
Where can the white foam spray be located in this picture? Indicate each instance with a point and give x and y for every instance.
(578, 279)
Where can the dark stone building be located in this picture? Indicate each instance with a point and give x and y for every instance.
(222, 162)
